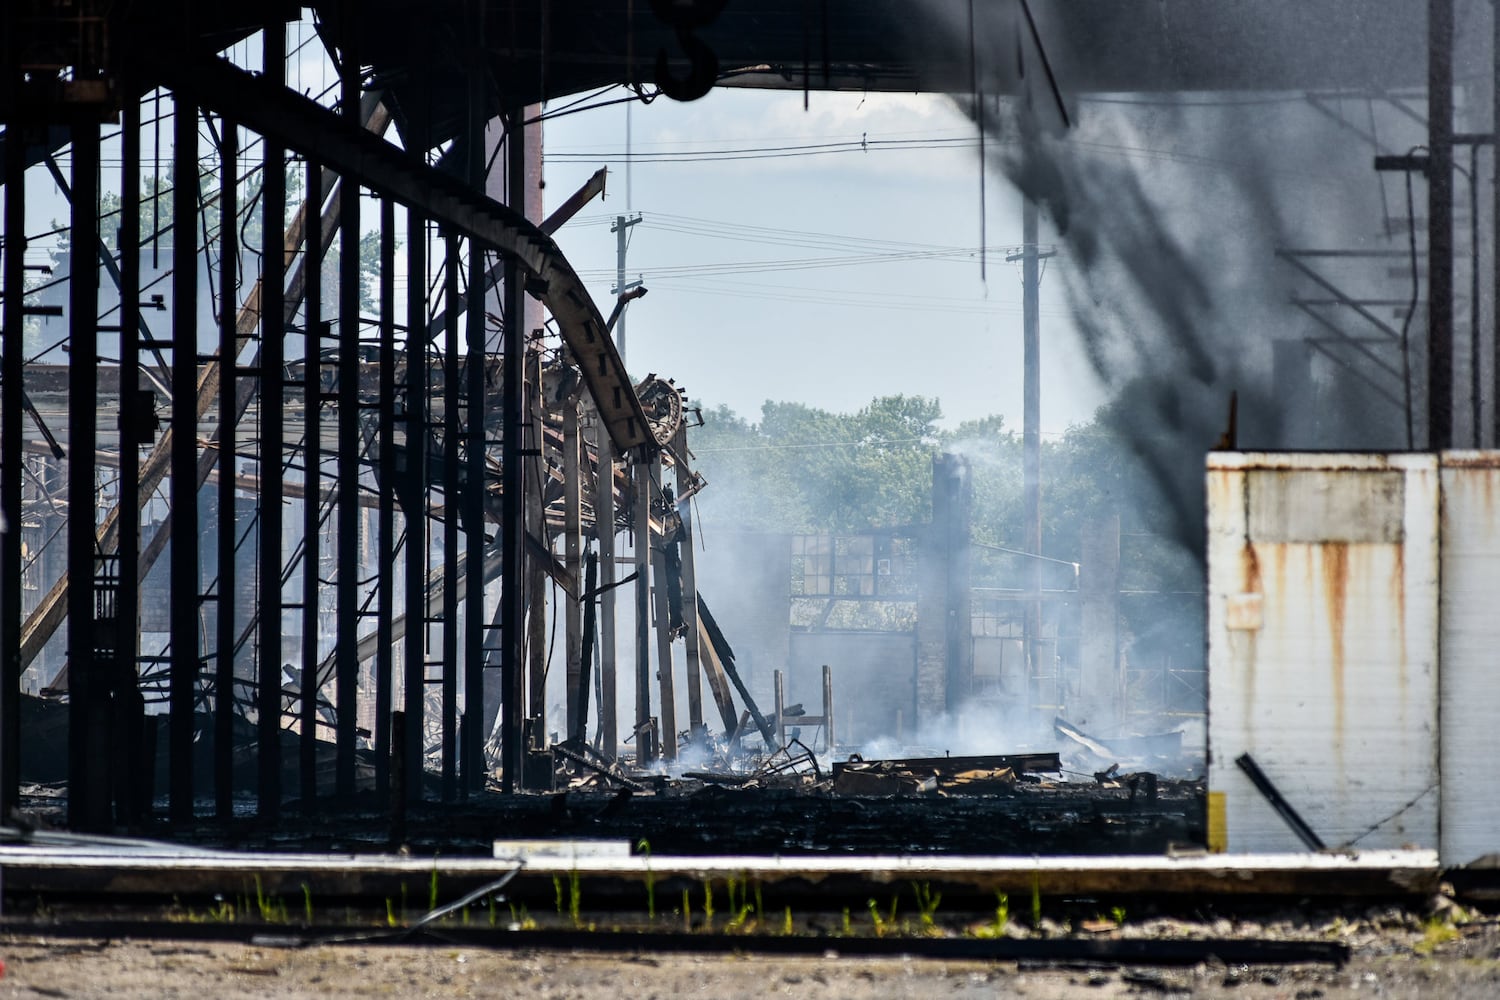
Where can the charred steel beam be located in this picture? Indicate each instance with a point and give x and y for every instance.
(576, 668)
(227, 590)
(50, 612)
(316, 132)
(513, 512)
(12, 371)
(451, 506)
(272, 398)
(385, 601)
(579, 733)
(135, 418)
(492, 277)
(1021, 763)
(414, 507)
(312, 486)
(472, 751)
(346, 680)
(184, 466)
(1278, 802)
(89, 771)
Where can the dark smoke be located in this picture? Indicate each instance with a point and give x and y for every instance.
(1169, 210)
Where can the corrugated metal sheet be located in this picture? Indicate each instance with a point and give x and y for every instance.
(1323, 645)
(1470, 698)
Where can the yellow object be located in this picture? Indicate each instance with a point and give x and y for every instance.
(1218, 825)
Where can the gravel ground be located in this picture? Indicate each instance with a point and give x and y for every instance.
(1395, 954)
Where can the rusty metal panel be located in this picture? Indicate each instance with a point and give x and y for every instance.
(1322, 622)
(1470, 692)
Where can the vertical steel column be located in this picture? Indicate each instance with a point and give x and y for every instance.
(451, 507)
(415, 652)
(604, 531)
(11, 373)
(513, 510)
(474, 618)
(186, 582)
(644, 751)
(473, 495)
(1440, 224)
(89, 764)
(229, 261)
(534, 526)
(385, 599)
(312, 484)
(346, 658)
(133, 782)
(578, 695)
(272, 435)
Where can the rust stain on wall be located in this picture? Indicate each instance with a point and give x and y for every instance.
(1336, 597)
(1249, 570)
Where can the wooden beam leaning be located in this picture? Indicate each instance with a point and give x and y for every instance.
(684, 476)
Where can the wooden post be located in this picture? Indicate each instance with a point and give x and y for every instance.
(642, 521)
(689, 587)
(604, 531)
(664, 664)
(780, 681)
(828, 705)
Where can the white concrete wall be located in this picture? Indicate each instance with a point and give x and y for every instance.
(1323, 647)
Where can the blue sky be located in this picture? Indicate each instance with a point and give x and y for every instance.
(738, 312)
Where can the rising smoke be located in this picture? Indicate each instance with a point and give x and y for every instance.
(1170, 209)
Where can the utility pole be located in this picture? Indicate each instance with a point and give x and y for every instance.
(1440, 224)
(1031, 433)
(620, 227)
